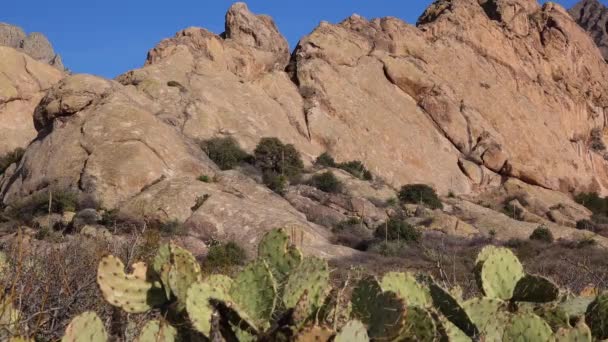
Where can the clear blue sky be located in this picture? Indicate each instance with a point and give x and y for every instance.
(112, 36)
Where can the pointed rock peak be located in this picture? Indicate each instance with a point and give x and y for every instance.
(258, 31)
(592, 16)
(497, 10)
(36, 45)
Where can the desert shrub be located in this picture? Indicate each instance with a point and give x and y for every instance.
(388, 248)
(223, 256)
(420, 194)
(513, 211)
(10, 158)
(357, 169)
(352, 233)
(325, 159)
(275, 182)
(593, 202)
(585, 224)
(204, 179)
(171, 228)
(225, 152)
(347, 224)
(38, 204)
(397, 229)
(271, 155)
(326, 182)
(542, 234)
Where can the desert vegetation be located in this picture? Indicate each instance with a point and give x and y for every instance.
(10, 158)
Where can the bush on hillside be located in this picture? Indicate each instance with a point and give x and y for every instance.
(397, 229)
(543, 234)
(593, 202)
(326, 182)
(272, 156)
(357, 169)
(325, 159)
(275, 182)
(420, 194)
(222, 256)
(10, 158)
(225, 152)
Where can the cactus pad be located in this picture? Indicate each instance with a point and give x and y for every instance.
(499, 273)
(280, 255)
(535, 289)
(312, 277)
(184, 271)
(406, 287)
(419, 326)
(575, 306)
(527, 327)
(9, 317)
(254, 290)
(452, 310)
(198, 306)
(488, 315)
(86, 327)
(162, 266)
(157, 331)
(580, 333)
(450, 332)
(382, 312)
(314, 334)
(353, 331)
(131, 292)
(596, 316)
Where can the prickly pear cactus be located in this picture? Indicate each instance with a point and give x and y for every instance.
(580, 333)
(199, 307)
(450, 332)
(575, 307)
(537, 289)
(312, 277)
(162, 266)
(157, 331)
(254, 290)
(86, 327)
(3, 264)
(280, 255)
(9, 317)
(184, 271)
(498, 272)
(314, 333)
(404, 284)
(382, 312)
(527, 327)
(452, 310)
(131, 292)
(353, 331)
(596, 316)
(553, 314)
(419, 326)
(488, 315)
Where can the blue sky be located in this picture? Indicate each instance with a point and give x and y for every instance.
(113, 36)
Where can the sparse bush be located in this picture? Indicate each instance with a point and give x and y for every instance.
(275, 182)
(585, 224)
(391, 202)
(271, 155)
(325, 159)
(357, 169)
(204, 179)
(326, 182)
(171, 228)
(38, 204)
(10, 158)
(543, 234)
(593, 202)
(388, 248)
(397, 229)
(223, 256)
(420, 194)
(225, 152)
(513, 211)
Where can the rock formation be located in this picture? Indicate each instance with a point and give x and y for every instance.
(593, 17)
(35, 44)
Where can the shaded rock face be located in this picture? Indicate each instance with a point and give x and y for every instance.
(23, 81)
(592, 16)
(35, 45)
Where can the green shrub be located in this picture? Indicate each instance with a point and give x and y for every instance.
(593, 202)
(420, 194)
(397, 229)
(222, 256)
(347, 224)
(10, 158)
(326, 182)
(38, 204)
(171, 228)
(586, 225)
(357, 169)
(513, 211)
(204, 179)
(271, 155)
(225, 152)
(275, 182)
(543, 234)
(325, 159)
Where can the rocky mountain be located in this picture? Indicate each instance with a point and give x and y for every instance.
(593, 16)
(485, 101)
(35, 44)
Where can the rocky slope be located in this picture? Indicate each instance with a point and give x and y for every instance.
(35, 44)
(593, 16)
(490, 99)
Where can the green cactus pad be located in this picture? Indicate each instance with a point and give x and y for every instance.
(382, 312)
(131, 292)
(419, 326)
(280, 255)
(162, 266)
(312, 277)
(221, 281)
(553, 314)
(596, 316)
(9, 319)
(254, 290)
(485, 253)
(527, 327)
(449, 332)
(406, 287)
(499, 273)
(580, 333)
(184, 271)
(575, 306)
(488, 315)
(537, 289)
(451, 309)
(315, 333)
(157, 331)
(198, 306)
(353, 331)
(86, 327)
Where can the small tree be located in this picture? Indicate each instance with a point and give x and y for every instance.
(271, 155)
(397, 229)
(543, 234)
(326, 182)
(225, 152)
(420, 194)
(325, 159)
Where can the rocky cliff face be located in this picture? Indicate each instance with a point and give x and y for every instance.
(593, 17)
(481, 97)
(35, 44)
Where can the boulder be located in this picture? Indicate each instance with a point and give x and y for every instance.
(35, 45)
